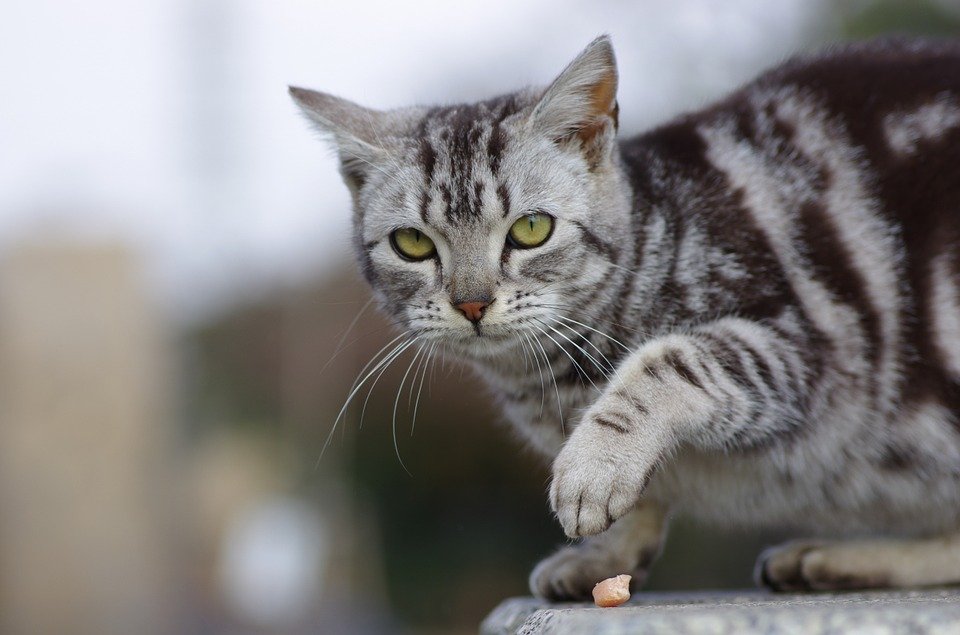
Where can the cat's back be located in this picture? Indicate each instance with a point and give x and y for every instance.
(889, 94)
(872, 76)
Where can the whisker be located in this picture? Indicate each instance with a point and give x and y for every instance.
(567, 353)
(586, 339)
(416, 404)
(566, 307)
(543, 389)
(375, 358)
(340, 350)
(612, 339)
(396, 403)
(412, 383)
(523, 349)
(353, 323)
(587, 354)
(385, 361)
(433, 367)
(600, 367)
(556, 388)
(363, 410)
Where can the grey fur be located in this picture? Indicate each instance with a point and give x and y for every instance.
(748, 315)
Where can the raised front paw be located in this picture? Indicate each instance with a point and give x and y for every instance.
(603, 469)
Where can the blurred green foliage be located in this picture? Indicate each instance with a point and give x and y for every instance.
(903, 17)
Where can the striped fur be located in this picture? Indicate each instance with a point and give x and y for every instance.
(750, 314)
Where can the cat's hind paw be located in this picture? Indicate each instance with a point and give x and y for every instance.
(812, 566)
(781, 568)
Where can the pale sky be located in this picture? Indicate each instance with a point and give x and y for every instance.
(166, 123)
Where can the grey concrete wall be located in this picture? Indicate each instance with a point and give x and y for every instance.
(739, 613)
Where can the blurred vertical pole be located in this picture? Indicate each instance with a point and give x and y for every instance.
(84, 546)
(210, 63)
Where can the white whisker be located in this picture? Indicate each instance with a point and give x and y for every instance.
(416, 404)
(612, 339)
(543, 389)
(383, 363)
(396, 404)
(567, 353)
(556, 388)
(599, 366)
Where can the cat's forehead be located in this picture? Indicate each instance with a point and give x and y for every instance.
(462, 126)
(460, 150)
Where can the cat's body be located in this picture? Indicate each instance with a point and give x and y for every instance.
(732, 217)
(775, 279)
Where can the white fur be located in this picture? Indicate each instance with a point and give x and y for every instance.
(945, 310)
(905, 130)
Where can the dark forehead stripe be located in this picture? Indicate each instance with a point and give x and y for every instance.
(465, 132)
(504, 195)
(503, 108)
(427, 157)
(467, 135)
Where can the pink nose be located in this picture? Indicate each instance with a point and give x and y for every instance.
(473, 311)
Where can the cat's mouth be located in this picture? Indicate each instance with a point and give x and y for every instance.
(485, 334)
(480, 336)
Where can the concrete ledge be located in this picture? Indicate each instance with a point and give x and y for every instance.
(738, 613)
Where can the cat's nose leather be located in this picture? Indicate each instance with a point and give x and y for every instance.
(473, 311)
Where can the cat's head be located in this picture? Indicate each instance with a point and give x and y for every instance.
(476, 223)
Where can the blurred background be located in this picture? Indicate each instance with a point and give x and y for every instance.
(180, 319)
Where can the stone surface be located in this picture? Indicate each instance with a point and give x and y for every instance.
(739, 613)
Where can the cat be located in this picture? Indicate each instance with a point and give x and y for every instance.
(749, 315)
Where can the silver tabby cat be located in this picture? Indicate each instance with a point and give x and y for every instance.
(750, 315)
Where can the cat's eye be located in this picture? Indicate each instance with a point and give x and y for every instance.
(412, 244)
(531, 230)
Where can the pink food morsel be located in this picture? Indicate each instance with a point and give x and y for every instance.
(612, 591)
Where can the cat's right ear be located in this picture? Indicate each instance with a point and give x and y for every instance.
(580, 105)
(356, 131)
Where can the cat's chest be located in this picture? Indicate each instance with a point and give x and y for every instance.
(544, 415)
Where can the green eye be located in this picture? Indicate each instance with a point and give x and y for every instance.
(530, 231)
(412, 244)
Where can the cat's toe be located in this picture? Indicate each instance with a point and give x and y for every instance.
(781, 568)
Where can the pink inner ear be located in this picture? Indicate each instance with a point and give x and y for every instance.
(603, 104)
(603, 96)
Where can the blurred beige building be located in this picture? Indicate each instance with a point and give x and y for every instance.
(83, 433)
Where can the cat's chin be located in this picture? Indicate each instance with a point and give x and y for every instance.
(489, 345)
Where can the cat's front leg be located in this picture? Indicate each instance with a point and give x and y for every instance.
(730, 384)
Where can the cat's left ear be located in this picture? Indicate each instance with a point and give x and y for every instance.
(357, 131)
(580, 105)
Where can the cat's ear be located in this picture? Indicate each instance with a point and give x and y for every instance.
(581, 103)
(356, 131)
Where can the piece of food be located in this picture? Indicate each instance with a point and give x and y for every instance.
(612, 591)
